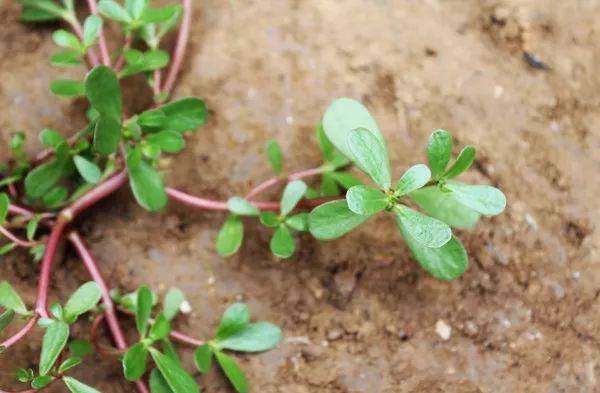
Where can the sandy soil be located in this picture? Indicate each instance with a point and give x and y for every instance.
(358, 314)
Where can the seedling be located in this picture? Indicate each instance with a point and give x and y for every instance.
(42, 197)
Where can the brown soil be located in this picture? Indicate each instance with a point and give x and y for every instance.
(358, 313)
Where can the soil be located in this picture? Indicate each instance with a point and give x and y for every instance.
(359, 315)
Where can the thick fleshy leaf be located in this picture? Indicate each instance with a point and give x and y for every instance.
(41, 382)
(282, 243)
(365, 200)
(428, 231)
(40, 180)
(275, 156)
(70, 58)
(161, 328)
(91, 29)
(445, 207)
(233, 372)
(203, 358)
(173, 300)
(84, 299)
(331, 155)
(10, 299)
(292, 194)
(333, 219)
(343, 116)
(230, 236)
(242, 207)
(69, 363)
(270, 219)
(67, 88)
(439, 150)
(370, 156)
(184, 115)
(6, 318)
(4, 204)
(136, 8)
(134, 362)
(104, 92)
(113, 10)
(445, 263)
(414, 178)
(299, 222)
(41, 11)
(78, 387)
(486, 200)
(146, 183)
(463, 162)
(234, 319)
(107, 134)
(168, 141)
(55, 339)
(144, 61)
(66, 39)
(161, 14)
(253, 337)
(177, 378)
(51, 138)
(158, 383)
(144, 303)
(87, 169)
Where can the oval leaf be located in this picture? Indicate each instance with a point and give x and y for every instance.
(463, 162)
(253, 337)
(87, 169)
(486, 200)
(439, 150)
(134, 362)
(414, 178)
(78, 387)
(173, 300)
(107, 134)
(157, 383)
(333, 219)
(104, 92)
(275, 156)
(241, 207)
(233, 372)
(177, 379)
(67, 88)
(144, 302)
(203, 358)
(234, 319)
(282, 243)
(429, 232)
(366, 200)
(83, 300)
(10, 300)
(146, 183)
(4, 204)
(55, 339)
(370, 156)
(168, 141)
(230, 236)
(444, 206)
(292, 194)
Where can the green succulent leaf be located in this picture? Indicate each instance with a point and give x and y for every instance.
(333, 219)
(159, 15)
(51, 138)
(113, 10)
(70, 58)
(168, 141)
(69, 363)
(4, 204)
(158, 383)
(66, 39)
(445, 263)
(428, 231)
(177, 378)
(486, 200)
(78, 387)
(414, 178)
(91, 29)
(141, 62)
(104, 92)
(253, 337)
(87, 169)
(282, 243)
(230, 236)
(292, 194)
(6, 318)
(67, 88)
(439, 150)
(242, 207)
(10, 299)
(184, 115)
(41, 381)
(298, 222)
(331, 155)
(203, 358)
(369, 154)
(134, 362)
(365, 200)
(445, 207)
(107, 135)
(234, 319)
(463, 162)
(55, 197)
(146, 183)
(40, 180)
(80, 348)
(83, 300)
(32, 226)
(275, 156)
(270, 219)
(172, 303)
(143, 310)
(136, 8)
(233, 372)
(41, 11)
(161, 328)
(55, 339)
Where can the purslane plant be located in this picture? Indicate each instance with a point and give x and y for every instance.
(43, 196)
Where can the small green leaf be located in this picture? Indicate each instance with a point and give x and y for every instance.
(439, 150)
(173, 301)
(10, 300)
(233, 372)
(78, 387)
(107, 135)
(104, 92)
(333, 219)
(463, 162)
(66, 39)
(40, 180)
(275, 156)
(370, 156)
(203, 358)
(161, 328)
(177, 378)
(87, 169)
(168, 25)
(134, 362)
(84, 299)
(51, 138)
(55, 339)
(158, 384)
(444, 206)
(242, 207)
(292, 194)
(365, 200)
(414, 178)
(136, 8)
(55, 197)
(234, 319)
(68, 364)
(282, 243)
(7, 248)
(184, 115)
(445, 263)
(144, 61)
(4, 203)
(157, 15)
(24, 375)
(56, 310)
(331, 155)
(146, 183)
(80, 348)
(230, 236)
(66, 59)
(41, 382)
(486, 200)
(6, 318)
(428, 231)
(253, 337)
(32, 227)
(91, 29)
(113, 10)
(298, 222)
(67, 88)
(40, 11)
(269, 219)
(143, 309)
(168, 141)
(152, 120)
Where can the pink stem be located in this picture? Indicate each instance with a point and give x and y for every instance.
(96, 194)
(182, 40)
(91, 54)
(157, 82)
(101, 40)
(18, 241)
(276, 180)
(20, 334)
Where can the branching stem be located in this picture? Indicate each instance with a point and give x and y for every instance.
(180, 47)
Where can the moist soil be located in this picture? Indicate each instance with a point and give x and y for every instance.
(359, 315)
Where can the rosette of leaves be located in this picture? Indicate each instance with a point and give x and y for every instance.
(236, 333)
(354, 132)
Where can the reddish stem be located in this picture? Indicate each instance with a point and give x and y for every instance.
(101, 39)
(46, 266)
(91, 54)
(18, 241)
(20, 334)
(96, 194)
(276, 180)
(182, 40)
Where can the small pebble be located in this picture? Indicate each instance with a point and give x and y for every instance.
(443, 329)
(185, 307)
(334, 334)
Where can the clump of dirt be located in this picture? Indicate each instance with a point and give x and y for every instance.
(359, 315)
